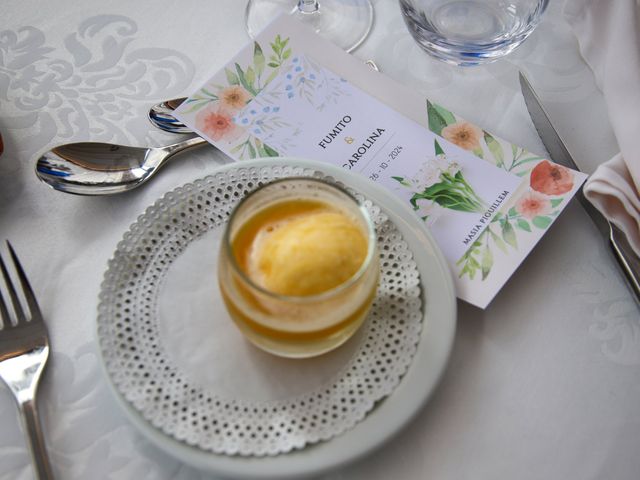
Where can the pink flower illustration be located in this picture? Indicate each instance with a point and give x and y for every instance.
(217, 124)
(551, 178)
(463, 134)
(234, 97)
(533, 204)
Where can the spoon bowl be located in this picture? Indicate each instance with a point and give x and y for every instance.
(161, 116)
(92, 168)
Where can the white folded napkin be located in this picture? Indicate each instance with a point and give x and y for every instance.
(607, 31)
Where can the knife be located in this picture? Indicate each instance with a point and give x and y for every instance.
(627, 260)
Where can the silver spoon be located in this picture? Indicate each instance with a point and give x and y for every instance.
(92, 168)
(161, 115)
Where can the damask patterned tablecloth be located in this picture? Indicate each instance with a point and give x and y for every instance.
(545, 383)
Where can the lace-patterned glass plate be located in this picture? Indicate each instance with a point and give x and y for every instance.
(187, 377)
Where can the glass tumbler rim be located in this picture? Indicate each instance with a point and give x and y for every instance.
(509, 29)
(303, 299)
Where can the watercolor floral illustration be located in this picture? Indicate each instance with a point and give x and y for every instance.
(535, 209)
(440, 182)
(311, 82)
(216, 105)
(302, 82)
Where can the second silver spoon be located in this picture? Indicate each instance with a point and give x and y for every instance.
(161, 116)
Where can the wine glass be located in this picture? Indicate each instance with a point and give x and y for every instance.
(344, 22)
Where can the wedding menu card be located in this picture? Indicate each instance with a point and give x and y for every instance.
(291, 93)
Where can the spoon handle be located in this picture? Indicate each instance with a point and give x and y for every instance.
(192, 142)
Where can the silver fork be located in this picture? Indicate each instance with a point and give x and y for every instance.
(24, 349)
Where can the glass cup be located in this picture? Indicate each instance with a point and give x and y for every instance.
(296, 326)
(471, 32)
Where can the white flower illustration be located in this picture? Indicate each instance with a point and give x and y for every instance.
(441, 181)
(428, 175)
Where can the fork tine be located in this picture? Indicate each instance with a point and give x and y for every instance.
(26, 288)
(17, 308)
(4, 313)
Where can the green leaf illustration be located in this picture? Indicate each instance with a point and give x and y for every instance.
(521, 162)
(541, 221)
(498, 241)
(522, 224)
(512, 212)
(436, 121)
(258, 59)
(252, 150)
(478, 152)
(402, 181)
(438, 148)
(273, 75)
(278, 45)
(270, 151)
(470, 268)
(232, 78)
(464, 270)
(209, 94)
(556, 201)
(514, 151)
(469, 261)
(509, 234)
(487, 262)
(243, 80)
(279, 53)
(446, 115)
(495, 148)
(250, 77)
(237, 148)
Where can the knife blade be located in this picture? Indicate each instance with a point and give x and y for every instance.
(627, 260)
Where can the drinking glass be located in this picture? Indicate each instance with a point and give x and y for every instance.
(344, 22)
(297, 326)
(471, 32)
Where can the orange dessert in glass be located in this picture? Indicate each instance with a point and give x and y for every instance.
(298, 266)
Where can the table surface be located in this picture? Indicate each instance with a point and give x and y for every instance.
(545, 383)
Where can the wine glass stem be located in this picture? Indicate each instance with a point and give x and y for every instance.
(308, 6)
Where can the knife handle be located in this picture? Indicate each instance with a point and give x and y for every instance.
(626, 257)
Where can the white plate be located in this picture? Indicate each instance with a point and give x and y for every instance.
(392, 413)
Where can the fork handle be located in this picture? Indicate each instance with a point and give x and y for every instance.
(36, 440)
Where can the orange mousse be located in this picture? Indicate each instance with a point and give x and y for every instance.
(300, 247)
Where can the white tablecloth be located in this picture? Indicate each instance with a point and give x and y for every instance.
(543, 384)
